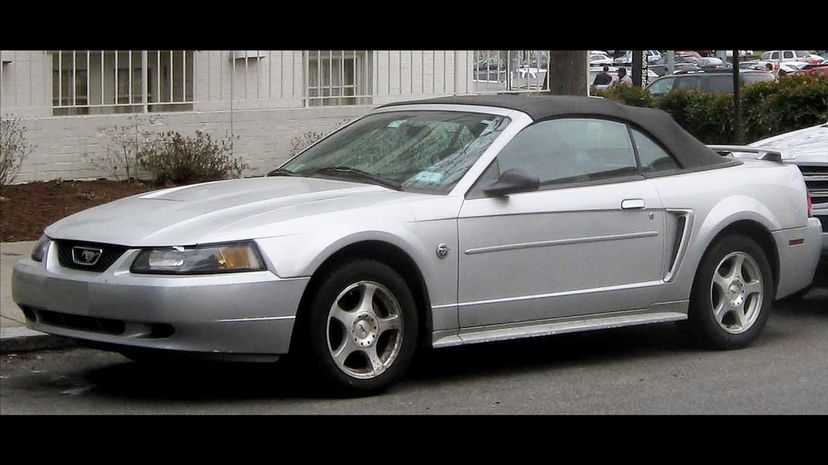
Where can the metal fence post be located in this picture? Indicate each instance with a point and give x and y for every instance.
(144, 83)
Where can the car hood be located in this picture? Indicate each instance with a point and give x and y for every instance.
(808, 146)
(198, 213)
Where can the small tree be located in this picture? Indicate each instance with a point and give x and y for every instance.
(14, 148)
(120, 160)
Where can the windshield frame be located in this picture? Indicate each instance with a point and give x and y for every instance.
(518, 120)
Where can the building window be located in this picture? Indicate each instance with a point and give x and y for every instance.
(337, 77)
(108, 81)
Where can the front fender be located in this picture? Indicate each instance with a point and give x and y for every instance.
(300, 255)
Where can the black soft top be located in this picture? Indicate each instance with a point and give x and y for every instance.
(689, 151)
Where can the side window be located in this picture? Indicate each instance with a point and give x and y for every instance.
(687, 83)
(652, 157)
(570, 150)
(775, 56)
(661, 86)
(787, 54)
(719, 83)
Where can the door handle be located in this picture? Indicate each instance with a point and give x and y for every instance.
(633, 204)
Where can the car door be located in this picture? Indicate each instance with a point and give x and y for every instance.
(588, 241)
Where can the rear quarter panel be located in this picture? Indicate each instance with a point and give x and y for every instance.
(770, 194)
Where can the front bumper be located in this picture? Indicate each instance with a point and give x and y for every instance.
(799, 254)
(236, 313)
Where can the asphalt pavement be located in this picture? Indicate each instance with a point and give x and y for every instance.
(640, 370)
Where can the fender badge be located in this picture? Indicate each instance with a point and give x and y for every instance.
(442, 251)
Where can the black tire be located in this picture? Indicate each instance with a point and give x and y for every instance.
(702, 325)
(311, 346)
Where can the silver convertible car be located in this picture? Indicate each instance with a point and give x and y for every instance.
(431, 224)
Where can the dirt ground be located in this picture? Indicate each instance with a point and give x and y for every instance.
(26, 209)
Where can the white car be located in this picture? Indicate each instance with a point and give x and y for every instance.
(627, 58)
(599, 59)
(777, 56)
(808, 149)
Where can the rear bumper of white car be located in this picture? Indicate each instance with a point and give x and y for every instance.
(799, 254)
(233, 314)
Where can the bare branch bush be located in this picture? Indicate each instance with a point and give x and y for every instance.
(14, 148)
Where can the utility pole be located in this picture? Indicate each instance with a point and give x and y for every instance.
(737, 117)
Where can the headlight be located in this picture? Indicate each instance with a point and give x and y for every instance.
(40, 248)
(213, 258)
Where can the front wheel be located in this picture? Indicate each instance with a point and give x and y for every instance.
(360, 330)
(732, 294)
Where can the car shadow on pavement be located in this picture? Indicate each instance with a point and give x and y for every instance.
(217, 381)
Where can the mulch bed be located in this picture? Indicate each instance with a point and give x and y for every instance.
(26, 209)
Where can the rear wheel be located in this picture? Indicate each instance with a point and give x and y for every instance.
(732, 294)
(360, 331)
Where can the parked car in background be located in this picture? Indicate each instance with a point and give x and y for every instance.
(706, 82)
(818, 70)
(661, 69)
(790, 55)
(626, 57)
(791, 67)
(742, 53)
(807, 149)
(598, 59)
(431, 224)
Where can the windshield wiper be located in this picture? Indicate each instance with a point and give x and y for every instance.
(346, 171)
(283, 172)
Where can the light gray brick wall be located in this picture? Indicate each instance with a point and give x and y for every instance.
(265, 118)
(65, 145)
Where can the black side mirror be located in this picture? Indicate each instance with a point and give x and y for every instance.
(511, 182)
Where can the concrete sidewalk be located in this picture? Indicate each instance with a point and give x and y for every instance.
(14, 335)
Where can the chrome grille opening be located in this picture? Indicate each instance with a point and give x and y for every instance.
(108, 255)
(816, 179)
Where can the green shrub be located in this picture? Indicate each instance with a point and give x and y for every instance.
(795, 102)
(710, 118)
(634, 96)
(676, 103)
(173, 158)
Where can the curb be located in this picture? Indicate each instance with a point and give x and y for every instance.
(21, 339)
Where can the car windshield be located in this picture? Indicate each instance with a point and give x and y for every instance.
(416, 150)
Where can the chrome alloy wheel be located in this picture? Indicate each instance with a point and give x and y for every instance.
(365, 330)
(736, 292)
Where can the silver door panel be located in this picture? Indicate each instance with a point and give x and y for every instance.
(561, 252)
